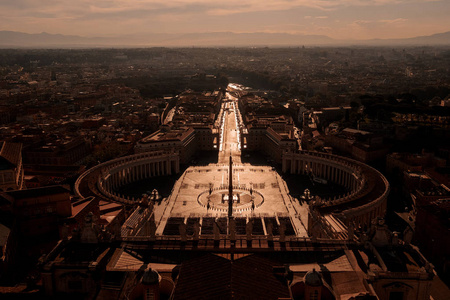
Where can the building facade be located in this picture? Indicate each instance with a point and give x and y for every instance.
(11, 168)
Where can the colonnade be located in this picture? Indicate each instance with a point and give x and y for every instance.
(124, 174)
(115, 173)
(363, 215)
(367, 188)
(325, 166)
(339, 173)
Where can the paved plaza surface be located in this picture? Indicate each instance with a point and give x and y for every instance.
(202, 191)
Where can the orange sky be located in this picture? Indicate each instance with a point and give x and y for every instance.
(340, 19)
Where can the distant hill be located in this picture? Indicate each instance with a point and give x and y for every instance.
(438, 39)
(20, 39)
(12, 39)
(249, 39)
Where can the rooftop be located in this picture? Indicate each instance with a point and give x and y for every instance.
(9, 155)
(37, 192)
(173, 134)
(250, 277)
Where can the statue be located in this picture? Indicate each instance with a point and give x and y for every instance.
(144, 200)
(381, 235)
(150, 206)
(249, 229)
(182, 229)
(351, 231)
(116, 230)
(318, 200)
(395, 239)
(408, 235)
(89, 232)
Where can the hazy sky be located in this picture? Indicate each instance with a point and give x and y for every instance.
(342, 19)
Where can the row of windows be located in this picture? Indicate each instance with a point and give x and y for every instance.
(39, 211)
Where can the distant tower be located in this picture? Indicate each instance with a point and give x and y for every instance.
(230, 190)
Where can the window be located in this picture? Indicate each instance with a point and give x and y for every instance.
(396, 296)
(74, 285)
(314, 295)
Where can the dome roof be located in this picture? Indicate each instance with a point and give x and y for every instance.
(313, 278)
(150, 277)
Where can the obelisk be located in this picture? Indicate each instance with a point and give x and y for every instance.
(230, 190)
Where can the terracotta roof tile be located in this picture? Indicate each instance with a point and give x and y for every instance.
(214, 277)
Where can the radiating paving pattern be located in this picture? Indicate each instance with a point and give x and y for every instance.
(190, 199)
(198, 203)
(260, 194)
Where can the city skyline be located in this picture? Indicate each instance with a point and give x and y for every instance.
(343, 19)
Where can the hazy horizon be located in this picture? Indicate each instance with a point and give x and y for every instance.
(338, 19)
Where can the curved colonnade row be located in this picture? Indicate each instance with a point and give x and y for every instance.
(366, 199)
(105, 179)
(368, 188)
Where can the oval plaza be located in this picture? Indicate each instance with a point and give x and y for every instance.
(261, 190)
(232, 214)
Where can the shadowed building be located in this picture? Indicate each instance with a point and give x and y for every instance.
(233, 231)
(11, 168)
(39, 211)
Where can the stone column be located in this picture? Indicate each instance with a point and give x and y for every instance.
(249, 229)
(168, 167)
(269, 229)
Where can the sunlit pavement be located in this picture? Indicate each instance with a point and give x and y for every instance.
(183, 202)
(229, 141)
